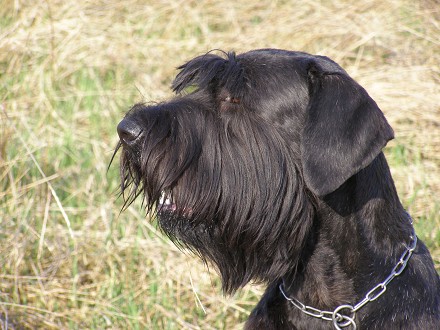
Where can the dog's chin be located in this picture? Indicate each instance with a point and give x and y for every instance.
(172, 219)
(167, 214)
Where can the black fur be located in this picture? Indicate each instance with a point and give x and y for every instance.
(273, 162)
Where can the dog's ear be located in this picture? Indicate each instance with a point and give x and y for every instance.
(344, 128)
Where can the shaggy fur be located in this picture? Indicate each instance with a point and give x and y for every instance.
(268, 165)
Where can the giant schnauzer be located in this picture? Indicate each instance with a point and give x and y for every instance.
(269, 165)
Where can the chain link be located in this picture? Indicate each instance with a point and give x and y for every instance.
(342, 320)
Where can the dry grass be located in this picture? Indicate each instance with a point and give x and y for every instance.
(69, 70)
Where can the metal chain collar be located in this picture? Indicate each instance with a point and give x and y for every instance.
(344, 320)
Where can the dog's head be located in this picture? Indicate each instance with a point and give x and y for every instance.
(233, 163)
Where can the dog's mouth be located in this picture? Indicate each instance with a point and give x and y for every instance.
(166, 203)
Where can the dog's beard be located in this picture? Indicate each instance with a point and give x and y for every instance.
(228, 190)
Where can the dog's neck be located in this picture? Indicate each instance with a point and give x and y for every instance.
(366, 214)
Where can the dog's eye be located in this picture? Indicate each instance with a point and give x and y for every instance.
(233, 100)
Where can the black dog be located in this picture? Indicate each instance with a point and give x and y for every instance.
(268, 164)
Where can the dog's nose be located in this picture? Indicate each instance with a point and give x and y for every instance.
(128, 131)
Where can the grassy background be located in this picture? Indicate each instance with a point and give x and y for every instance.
(68, 72)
